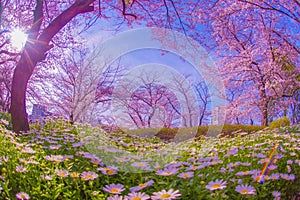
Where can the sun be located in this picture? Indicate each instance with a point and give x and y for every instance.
(18, 39)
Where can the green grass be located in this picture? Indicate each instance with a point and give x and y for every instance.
(84, 148)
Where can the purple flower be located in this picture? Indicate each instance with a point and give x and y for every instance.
(277, 195)
(114, 188)
(289, 162)
(291, 177)
(194, 167)
(21, 169)
(186, 175)
(116, 197)
(78, 144)
(258, 177)
(22, 196)
(264, 160)
(245, 189)
(243, 173)
(55, 158)
(240, 181)
(88, 176)
(233, 151)
(245, 164)
(109, 170)
(223, 170)
(288, 177)
(278, 156)
(137, 196)
(54, 147)
(272, 167)
(96, 161)
(260, 155)
(141, 186)
(28, 150)
(169, 195)
(61, 173)
(275, 176)
(142, 165)
(255, 172)
(233, 164)
(167, 171)
(215, 185)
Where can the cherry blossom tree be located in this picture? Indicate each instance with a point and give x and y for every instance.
(145, 103)
(70, 89)
(257, 40)
(155, 103)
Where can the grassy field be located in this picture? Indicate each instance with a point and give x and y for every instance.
(60, 161)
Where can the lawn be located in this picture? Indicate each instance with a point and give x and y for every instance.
(61, 161)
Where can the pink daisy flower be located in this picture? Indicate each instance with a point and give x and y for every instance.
(245, 189)
(168, 195)
(137, 196)
(114, 188)
(88, 176)
(215, 185)
(22, 196)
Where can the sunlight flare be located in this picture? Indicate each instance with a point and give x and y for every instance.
(18, 39)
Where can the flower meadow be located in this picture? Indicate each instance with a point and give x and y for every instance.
(62, 161)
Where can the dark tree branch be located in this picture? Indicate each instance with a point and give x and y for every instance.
(9, 53)
(124, 10)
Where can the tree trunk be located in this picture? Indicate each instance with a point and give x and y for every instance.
(264, 113)
(33, 53)
(18, 96)
(264, 103)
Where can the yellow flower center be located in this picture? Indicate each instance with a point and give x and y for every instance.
(142, 185)
(244, 191)
(114, 190)
(62, 174)
(96, 162)
(165, 196)
(185, 176)
(110, 171)
(136, 198)
(89, 176)
(216, 185)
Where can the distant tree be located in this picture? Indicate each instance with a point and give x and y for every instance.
(203, 95)
(155, 103)
(5, 86)
(189, 106)
(149, 105)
